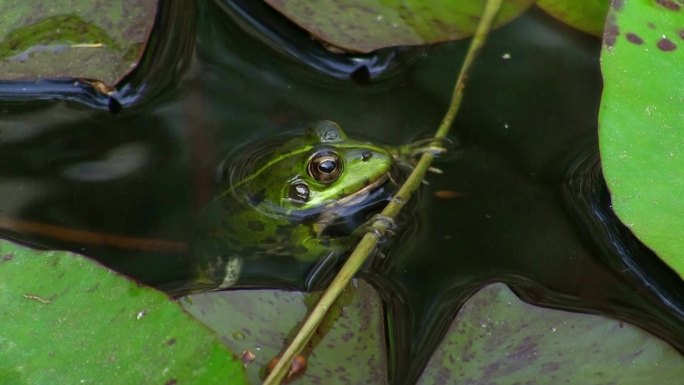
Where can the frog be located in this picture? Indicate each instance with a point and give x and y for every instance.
(296, 206)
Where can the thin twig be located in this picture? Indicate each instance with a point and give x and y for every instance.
(381, 224)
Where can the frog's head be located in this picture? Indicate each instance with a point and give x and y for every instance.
(310, 173)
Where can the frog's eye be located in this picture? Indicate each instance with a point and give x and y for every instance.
(299, 192)
(325, 166)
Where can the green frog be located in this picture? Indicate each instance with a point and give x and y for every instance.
(288, 213)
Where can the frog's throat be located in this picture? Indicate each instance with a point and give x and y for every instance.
(359, 195)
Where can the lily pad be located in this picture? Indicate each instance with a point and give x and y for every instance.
(586, 15)
(68, 320)
(348, 349)
(498, 339)
(365, 26)
(641, 122)
(98, 40)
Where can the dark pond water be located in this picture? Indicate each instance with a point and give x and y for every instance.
(531, 208)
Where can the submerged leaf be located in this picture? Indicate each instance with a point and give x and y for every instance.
(641, 123)
(498, 339)
(365, 26)
(68, 320)
(97, 40)
(350, 350)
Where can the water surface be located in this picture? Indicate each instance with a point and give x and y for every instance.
(531, 209)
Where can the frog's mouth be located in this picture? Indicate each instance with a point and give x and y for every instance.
(369, 197)
(360, 196)
(342, 217)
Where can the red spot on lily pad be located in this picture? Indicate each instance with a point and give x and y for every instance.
(666, 45)
(611, 32)
(634, 38)
(669, 4)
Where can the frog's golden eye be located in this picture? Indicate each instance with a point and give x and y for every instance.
(325, 166)
(299, 192)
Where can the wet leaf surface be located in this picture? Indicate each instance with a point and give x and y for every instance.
(347, 351)
(585, 15)
(365, 26)
(68, 320)
(495, 339)
(498, 339)
(98, 40)
(641, 122)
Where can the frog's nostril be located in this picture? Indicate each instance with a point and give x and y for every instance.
(366, 155)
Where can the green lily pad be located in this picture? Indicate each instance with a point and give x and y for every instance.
(348, 349)
(586, 15)
(498, 339)
(365, 26)
(641, 122)
(68, 320)
(98, 40)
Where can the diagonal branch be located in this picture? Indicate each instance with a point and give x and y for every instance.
(381, 224)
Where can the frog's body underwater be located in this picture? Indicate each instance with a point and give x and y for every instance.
(285, 215)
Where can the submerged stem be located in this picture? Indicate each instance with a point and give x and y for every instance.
(380, 225)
